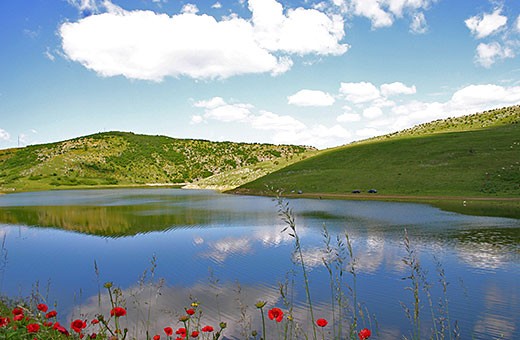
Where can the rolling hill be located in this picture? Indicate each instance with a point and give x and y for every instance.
(476, 155)
(125, 159)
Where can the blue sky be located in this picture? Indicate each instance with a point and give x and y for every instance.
(321, 73)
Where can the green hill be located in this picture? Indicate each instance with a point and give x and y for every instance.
(121, 159)
(476, 155)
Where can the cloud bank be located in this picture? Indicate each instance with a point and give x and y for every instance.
(151, 46)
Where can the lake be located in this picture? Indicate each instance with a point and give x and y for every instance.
(165, 248)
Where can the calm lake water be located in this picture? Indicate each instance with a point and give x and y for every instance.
(228, 252)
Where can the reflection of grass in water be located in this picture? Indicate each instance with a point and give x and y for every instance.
(509, 209)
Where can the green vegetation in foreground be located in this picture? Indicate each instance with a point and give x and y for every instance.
(470, 156)
(126, 159)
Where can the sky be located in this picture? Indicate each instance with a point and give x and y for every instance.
(321, 73)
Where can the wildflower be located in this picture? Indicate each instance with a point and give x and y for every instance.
(184, 318)
(181, 331)
(4, 322)
(157, 337)
(364, 334)
(260, 304)
(118, 311)
(168, 331)
(17, 311)
(77, 325)
(207, 329)
(93, 336)
(42, 307)
(321, 322)
(108, 285)
(18, 317)
(194, 334)
(33, 328)
(47, 323)
(194, 304)
(190, 311)
(60, 328)
(51, 314)
(94, 321)
(275, 314)
(223, 325)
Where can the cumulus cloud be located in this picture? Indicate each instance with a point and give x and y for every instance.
(359, 92)
(518, 24)
(383, 13)
(372, 112)
(488, 54)
(216, 5)
(348, 117)
(486, 24)
(419, 25)
(311, 98)
(4, 135)
(283, 128)
(150, 46)
(397, 88)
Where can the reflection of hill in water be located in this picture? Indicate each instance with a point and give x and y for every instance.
(110, 221)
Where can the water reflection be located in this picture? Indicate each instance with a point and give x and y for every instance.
(240, 240)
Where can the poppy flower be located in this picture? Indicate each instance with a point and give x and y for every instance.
(118, 312)
(168, 331)
(47, 323)
(275, 314)
(207, 329)
(181, 331)
(157, 337)
(190, 311)
(42, 307)
(60, 328)
(17, 311)
(78, 325)
(364, 334)
(18, 317)
(322, 322)
(4, 322)
(94, 321)
(33, 328)
(93, 336)
(194, 334)
(51, 314)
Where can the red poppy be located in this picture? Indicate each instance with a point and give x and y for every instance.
(275, 314)
(190, 311)
(42, 307)
(168, 331)
(47, 323)
(322, 322)
(78, 325)
(93, 335)
(157, 337)
(17, 311)
(60, 328)
(118, 311)
(194, 334)
(4, 322)
(51, 314)
(207, 329)
(18, 317)
(364, 334)
(33, 328)
(181, 331)
(94, 321)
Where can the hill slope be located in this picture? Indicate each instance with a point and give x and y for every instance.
(120, 158)
(477, 155)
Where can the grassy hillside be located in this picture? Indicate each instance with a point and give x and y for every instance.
(120, 158)
(476, 155)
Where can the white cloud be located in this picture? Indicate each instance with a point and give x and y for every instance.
(4, 135)
(483, 97)
(301, 31)
(217, 109)
(216, 5)
(348, 117)
(150, 46)
(382, 13)
(488, 54)
(418, 25)
(281, 128)
(486, 24)
(311, 98)
(372, 112)
(518, 24)
(397, 88)
(190, 9)
(359, 92)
